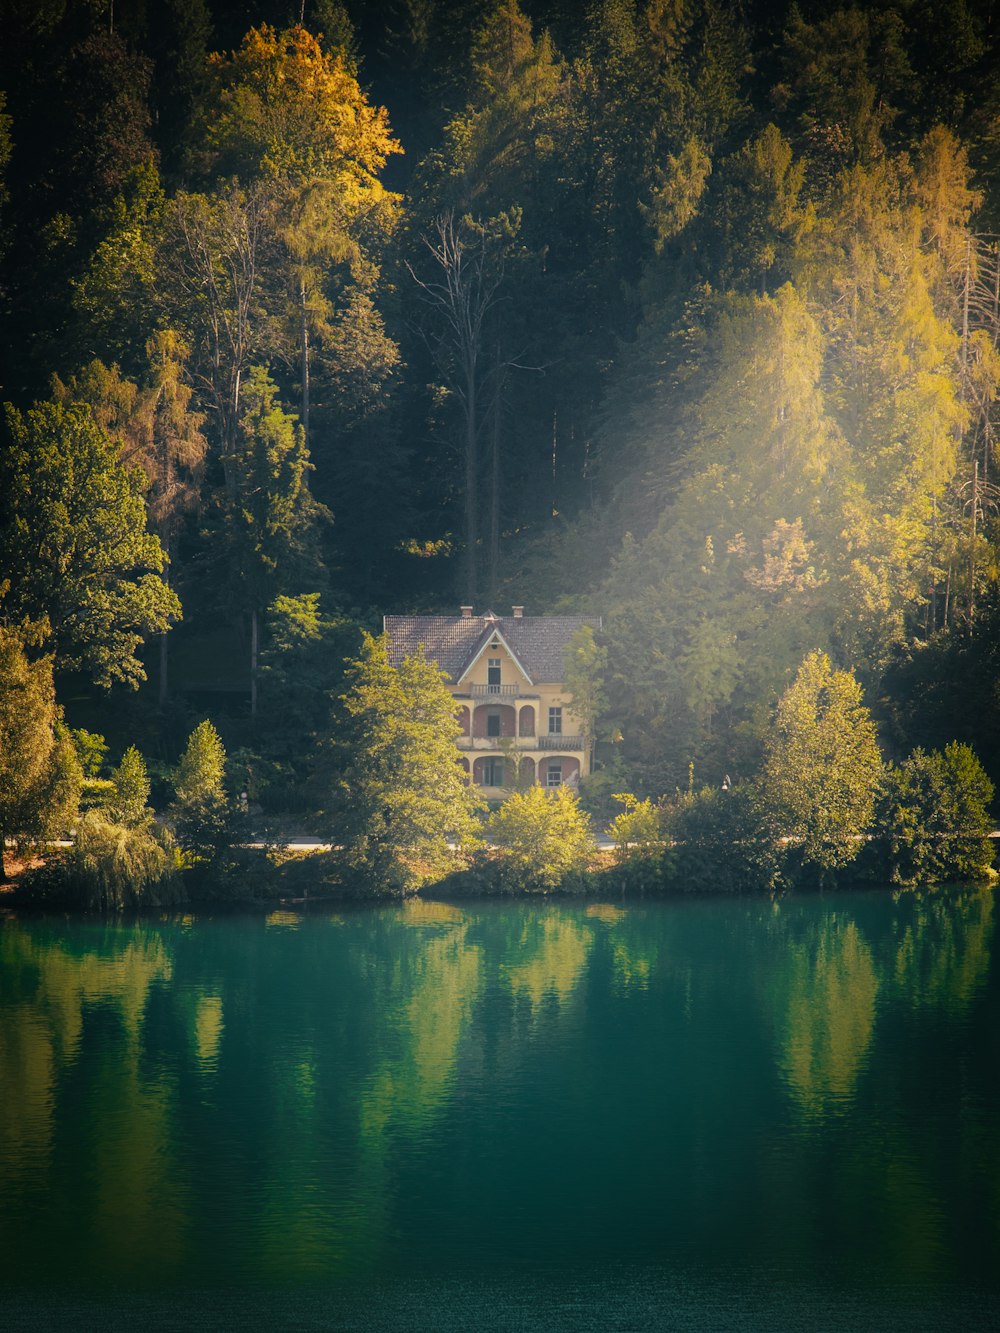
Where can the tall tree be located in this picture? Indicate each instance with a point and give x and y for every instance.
(461, 294)
(402, 796)
(40, 775)
(282, 110)
(74, 544)
(155, 427)
(271, 520)
(822, 767)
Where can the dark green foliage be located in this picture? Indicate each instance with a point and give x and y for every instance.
(722, 843)
(73, 542)
(739, 301)
(932, 819)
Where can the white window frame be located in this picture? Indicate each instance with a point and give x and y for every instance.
(553, 775)
(555, 721)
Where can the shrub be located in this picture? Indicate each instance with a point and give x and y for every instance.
(637, 831)
(113, 866)
(542, 836)
(722, 843)
(932, 819)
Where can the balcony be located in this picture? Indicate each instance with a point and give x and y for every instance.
(495, 691)
(496, 744)
(559, 743)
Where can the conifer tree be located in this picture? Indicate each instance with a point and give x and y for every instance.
(201, 808)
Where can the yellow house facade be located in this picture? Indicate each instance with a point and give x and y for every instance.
(505, 675)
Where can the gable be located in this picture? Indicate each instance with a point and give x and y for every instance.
(536, 643)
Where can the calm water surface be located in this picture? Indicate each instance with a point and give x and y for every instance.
(685, 1115)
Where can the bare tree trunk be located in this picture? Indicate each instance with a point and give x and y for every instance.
(164, 691)
(495, 472)
(471, 488)
(972, 553)
(305, 361)
(254, 630)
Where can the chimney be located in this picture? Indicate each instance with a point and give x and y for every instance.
(466, 612)
(518, 612)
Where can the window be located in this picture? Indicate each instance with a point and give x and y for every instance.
(493, 772)
(555, 721)
(493, 677)
(553, 776)
(493, 723)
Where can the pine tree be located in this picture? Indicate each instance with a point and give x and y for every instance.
(130, 805)
(201, 809)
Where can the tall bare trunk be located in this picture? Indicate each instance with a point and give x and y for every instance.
(471, 486)
(305, 361)
(495, 484)
(254, 629)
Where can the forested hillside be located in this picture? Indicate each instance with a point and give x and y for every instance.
(681, 312)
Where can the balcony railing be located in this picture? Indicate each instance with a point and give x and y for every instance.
(560, 742)
(497, 743)
(495, 691)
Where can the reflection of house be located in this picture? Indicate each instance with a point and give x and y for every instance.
(505, 673)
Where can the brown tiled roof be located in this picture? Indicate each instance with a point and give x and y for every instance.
(538, 642)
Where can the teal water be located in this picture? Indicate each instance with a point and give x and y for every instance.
(680, 1115)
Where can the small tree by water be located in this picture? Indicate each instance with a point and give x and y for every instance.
(201, 811)
(822, 766)
(932, 820)
(402, 797)
(542, 835)
(40, 775)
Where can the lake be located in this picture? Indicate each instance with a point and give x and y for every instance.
(692, 1115)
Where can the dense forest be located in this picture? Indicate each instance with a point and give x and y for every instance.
(681, 312)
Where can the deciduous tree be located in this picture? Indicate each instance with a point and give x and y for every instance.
(402, 796)
(74, 544)
(822, 766)
(40, 775)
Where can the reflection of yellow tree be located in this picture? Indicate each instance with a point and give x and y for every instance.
(943, 954)
(127, 1114)
(830, 1015)
(632, 953)
(557, 947)
(423, 1013)
(431, 1017)
(208, 1030)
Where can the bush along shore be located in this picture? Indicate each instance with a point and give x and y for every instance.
(824, 810)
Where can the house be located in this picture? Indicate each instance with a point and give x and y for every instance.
(505, 675)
